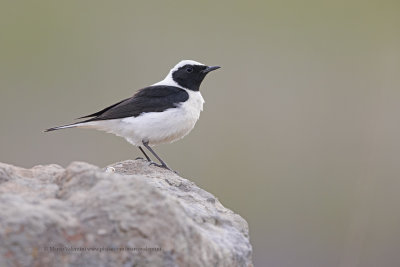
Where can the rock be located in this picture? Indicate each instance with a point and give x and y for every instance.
(129, 214)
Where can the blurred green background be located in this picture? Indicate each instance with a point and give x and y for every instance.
(300, 132)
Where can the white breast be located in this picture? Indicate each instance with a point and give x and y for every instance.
(157, 127)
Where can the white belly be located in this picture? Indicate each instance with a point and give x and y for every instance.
(156, 127)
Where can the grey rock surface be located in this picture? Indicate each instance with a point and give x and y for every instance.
(129, 214)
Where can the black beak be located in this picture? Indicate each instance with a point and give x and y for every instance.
(208, 69)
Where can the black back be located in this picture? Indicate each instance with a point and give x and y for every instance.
(150, 99)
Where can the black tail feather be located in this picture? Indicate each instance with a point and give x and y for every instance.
(72, 125)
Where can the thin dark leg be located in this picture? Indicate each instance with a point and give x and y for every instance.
(163, 164)
(144, 153)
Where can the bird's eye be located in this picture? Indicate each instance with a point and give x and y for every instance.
(189, 70)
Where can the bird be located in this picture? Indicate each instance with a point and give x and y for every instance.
(158, 114)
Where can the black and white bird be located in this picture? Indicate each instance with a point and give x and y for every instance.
(161, 113)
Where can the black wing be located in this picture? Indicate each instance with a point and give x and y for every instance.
(103, 110)
(150, 99)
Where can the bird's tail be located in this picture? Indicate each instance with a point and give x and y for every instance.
(72, 125)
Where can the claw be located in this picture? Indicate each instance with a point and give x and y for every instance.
(162, 166)
(158, 165)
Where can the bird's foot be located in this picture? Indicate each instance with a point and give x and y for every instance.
(163, 166)
(160, 165)
(140, 158)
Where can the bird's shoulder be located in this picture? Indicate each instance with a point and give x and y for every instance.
(159, 91)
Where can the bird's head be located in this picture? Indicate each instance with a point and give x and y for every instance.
(189, 74)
